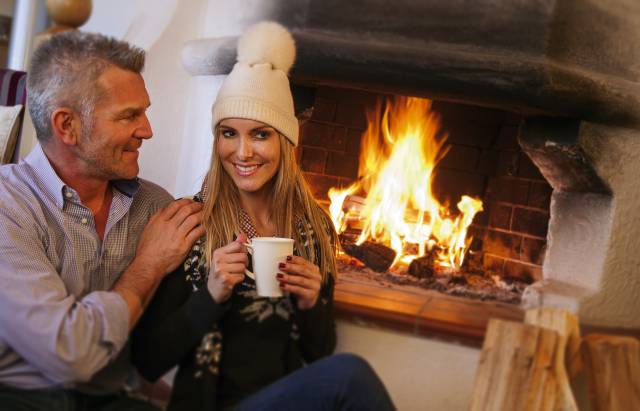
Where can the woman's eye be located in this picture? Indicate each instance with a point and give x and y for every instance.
(228, 133)
(262, 134)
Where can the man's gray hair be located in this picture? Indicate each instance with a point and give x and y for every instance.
(64, 71)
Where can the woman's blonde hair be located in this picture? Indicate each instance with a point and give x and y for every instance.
(291, 201)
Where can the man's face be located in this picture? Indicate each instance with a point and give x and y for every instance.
(110, 149)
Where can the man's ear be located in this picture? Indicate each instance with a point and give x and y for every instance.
(65, 125)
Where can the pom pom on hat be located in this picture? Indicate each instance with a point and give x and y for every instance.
(267, 42)
(258, 87)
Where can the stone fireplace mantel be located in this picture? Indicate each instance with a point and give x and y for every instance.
(539, 57)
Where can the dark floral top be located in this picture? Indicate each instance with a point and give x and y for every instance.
(226, 352)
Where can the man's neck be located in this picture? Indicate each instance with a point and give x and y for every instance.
(93, 191)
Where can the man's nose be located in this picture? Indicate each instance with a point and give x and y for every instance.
(144, 128)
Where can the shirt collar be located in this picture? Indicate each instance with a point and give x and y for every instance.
(127, 187)
(51, 183)
(57, 189)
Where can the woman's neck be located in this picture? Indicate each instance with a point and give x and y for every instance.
(258, 208)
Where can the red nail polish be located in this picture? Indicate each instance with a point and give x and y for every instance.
(279, 276)
(289, 258)
(281, 265)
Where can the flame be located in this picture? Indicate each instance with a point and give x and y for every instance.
(400, 148)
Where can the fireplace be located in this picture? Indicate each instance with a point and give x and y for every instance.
(483, 160)
(528, 92)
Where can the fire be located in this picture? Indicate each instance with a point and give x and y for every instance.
(400, 148)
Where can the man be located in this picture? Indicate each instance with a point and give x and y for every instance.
(81, 249)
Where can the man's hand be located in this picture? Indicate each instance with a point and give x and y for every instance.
(162, 246)
(169, 235)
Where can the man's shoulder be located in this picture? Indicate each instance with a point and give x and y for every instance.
(16, 181)
(153, 193)
(13, 172)
(21, 197)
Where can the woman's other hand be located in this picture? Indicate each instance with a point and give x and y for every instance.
(227, 269)
(302, 279)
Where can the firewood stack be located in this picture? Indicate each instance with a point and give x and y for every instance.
(613, 363)
(528, 366)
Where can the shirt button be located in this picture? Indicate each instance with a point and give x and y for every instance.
(68, 194)
(84, 221)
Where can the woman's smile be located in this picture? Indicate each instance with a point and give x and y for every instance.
(246, 170)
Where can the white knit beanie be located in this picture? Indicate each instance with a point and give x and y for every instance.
(258, 88)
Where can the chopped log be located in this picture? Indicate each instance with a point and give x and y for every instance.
(567, 325)
(517, 368)
(376, 256)
(423, 267)
(613, 365)
(567, 356)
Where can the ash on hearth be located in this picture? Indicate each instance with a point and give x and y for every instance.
(470, 283)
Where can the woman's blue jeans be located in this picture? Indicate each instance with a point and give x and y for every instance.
(339, 382)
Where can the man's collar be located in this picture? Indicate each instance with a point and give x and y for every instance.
(127, 187)
(51, 182)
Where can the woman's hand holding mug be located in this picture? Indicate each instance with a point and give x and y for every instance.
(227, 269)
(302, 279)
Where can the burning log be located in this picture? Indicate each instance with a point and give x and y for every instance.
(423, 267)
(376, 256)
(427, 266)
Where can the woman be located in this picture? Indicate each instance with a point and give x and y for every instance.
(234, 348)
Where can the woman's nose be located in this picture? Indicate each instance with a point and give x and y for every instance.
(245, 150)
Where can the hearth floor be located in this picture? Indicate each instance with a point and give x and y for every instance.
(415, 310)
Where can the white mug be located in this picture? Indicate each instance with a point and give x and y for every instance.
(266, 255)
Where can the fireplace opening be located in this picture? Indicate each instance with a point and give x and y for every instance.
(474, 218)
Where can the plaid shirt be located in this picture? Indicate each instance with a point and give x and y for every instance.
(60, 326)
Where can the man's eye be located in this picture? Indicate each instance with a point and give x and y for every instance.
(130, 117)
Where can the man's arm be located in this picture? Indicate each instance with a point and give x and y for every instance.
(70, 339)
(163, 245)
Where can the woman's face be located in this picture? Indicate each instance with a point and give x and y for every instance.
(249, 151)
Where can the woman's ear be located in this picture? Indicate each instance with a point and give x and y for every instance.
(65, 125)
